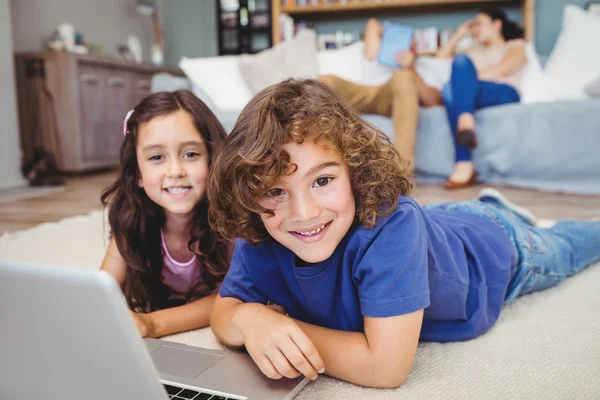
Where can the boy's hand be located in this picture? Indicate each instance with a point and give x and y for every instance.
(144, 324)
(277, 344)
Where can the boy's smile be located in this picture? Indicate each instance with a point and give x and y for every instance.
(314, 206)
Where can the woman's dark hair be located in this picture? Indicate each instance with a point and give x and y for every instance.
(510, 29)
(135, 220)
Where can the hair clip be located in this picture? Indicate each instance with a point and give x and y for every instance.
(125, 131)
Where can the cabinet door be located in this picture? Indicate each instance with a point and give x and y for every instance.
(103, 96)
(117, 89)
(140, 86)
(92, 98)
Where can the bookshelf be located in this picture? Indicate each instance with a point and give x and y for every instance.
(243, 26)
(354, 7)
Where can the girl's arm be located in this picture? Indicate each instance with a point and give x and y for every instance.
(163, 322)
(183, 318)
(381, 357)
(512, 61)
(373, 32)
(449, 48)
(113, 263)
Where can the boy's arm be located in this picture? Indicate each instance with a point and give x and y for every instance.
(176, 319)
(221, 321)
(274, 341)
(382, 357)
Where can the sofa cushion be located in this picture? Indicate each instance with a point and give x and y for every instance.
(575, 58)
(294, 58)
(219, 80)
(593, 88)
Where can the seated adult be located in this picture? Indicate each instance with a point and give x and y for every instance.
(488, 75)
(497, 61)
(398, 98)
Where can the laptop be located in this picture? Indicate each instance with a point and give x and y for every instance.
(68, 334)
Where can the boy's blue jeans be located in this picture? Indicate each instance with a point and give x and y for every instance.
(465, 94)
(545, 256)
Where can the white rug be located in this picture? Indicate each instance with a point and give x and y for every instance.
(545, 346)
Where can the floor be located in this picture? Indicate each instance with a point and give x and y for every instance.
(82, 195)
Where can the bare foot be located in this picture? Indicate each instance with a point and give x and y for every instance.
(466, 121)
(463, 172)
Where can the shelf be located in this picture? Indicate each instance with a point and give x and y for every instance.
(364, 7)
(356, 6)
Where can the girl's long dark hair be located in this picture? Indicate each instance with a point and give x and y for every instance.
(510, 29)
(135, 220)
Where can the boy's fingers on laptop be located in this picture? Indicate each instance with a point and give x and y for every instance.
(282, 363)
(266, 367)
(308, 349)
(297, 359)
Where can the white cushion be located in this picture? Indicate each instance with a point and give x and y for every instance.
(218, 78)
(349, 63)
(434, 71)
(575, 59)
(293, 58)
(345, 62)
(593, 88)
(535, 87)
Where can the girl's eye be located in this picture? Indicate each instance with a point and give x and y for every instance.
(191, 154)
(322, 182)
(155, 158)
(276, 192)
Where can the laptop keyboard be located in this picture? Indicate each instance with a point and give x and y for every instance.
(177, 393)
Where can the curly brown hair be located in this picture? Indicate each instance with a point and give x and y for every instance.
(135, 220)
(252, 158)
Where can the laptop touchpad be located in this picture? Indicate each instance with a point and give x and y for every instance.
(183, 363)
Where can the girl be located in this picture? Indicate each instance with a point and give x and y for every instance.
(330, 234)
(162, 251)
(488, 75)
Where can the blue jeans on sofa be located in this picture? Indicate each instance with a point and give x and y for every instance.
(466, 94)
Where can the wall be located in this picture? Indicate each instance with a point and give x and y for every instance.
(190, 29)
(548, 22)
(190, 25)
(10, 163)
(103, 22)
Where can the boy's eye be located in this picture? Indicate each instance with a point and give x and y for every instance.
(324, 181)
(276, 192)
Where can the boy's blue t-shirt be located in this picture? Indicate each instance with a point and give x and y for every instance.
(453, 264)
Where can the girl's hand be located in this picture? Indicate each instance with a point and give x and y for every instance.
(277, 344)
(144, 324)
(405, 58)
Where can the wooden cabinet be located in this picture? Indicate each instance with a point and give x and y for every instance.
(74, 106)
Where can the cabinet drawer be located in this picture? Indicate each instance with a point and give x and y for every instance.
(140, 85)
